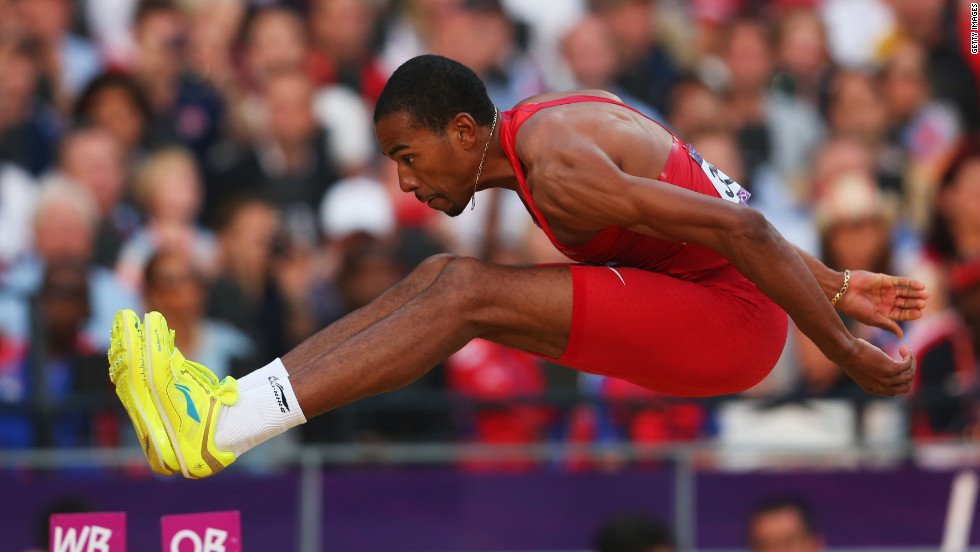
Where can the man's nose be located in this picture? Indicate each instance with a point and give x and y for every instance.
(408, 184)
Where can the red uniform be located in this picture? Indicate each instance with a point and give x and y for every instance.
(673, 317)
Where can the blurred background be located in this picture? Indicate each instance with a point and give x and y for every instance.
(215, 160)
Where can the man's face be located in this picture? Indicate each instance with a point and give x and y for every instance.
(431, 166)
(782, 531)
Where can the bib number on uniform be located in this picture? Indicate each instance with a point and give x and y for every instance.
(727, 188)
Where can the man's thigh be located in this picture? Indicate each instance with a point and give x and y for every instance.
(525, 307)
(670, 335)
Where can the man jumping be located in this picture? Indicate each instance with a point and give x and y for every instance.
(678, 287)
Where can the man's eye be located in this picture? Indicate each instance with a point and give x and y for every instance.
(408, 159)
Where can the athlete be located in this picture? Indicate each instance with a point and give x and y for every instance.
(678, 286)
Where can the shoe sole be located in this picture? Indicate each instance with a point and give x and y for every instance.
(127, 342)
(148, 359)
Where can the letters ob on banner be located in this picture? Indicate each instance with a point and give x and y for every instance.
(206, 532)
(89, 532)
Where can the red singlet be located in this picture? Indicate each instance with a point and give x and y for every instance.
(675, 318)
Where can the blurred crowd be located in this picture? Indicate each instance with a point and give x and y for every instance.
(215, 160)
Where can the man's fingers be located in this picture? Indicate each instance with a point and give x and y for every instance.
(907, 367)
(901, 389)
(903, 302)
(887, 324)
(914, 284)
(902, 315)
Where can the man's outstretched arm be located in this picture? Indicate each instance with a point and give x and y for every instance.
(584, 182)
(874, 299)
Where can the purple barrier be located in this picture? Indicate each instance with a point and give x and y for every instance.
(890, 508)
(445, 511)
(268, 506)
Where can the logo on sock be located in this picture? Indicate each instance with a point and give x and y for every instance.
(280, 394)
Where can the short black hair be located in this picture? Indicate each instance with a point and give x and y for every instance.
(633, 532)
(82, 110)
(432, 90)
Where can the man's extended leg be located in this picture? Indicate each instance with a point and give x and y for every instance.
(528, 308)
(389, 301)
(443, 305)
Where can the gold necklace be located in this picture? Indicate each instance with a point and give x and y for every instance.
(479, 171)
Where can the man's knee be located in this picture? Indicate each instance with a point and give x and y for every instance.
(460, 282)
(435, 263)
(431, 267)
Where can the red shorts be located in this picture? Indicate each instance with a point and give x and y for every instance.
(716, 336)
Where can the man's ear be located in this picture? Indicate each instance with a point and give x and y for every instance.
(463, 128)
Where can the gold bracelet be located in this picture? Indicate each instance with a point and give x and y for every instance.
(843, 290)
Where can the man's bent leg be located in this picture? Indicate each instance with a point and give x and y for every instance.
(389, 301)
(528, 308)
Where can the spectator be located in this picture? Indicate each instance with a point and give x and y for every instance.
(854, 110)
(59, 382)
(590, 52)
(647, 71)
(946, 395)
(116, 104)
(212, 38)
(802, 61)
(354, 211)
(931, 23)
(748, 57)
(508, 74)
(954, 231)
(29, 126)
(634, 533)
(411, 27)
(186, 106)
(802, 70)
(169, 189)
(925, 129)
(252, 254)
(694, 108)
(368, 267)
(288, 162)
(175, 287)
(276, 43)
(92, 159)
(67, 61)
(783, 524)
(65, 222)
(342, 33)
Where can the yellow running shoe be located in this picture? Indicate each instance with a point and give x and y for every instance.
(126, 370)
(188, 398)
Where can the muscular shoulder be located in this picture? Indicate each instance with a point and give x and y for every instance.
(557, 132)
(551, 96)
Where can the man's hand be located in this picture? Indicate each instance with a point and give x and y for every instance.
(881, 300)
(876, 372)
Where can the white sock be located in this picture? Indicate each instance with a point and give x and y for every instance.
(258, 378)
(266, 407)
